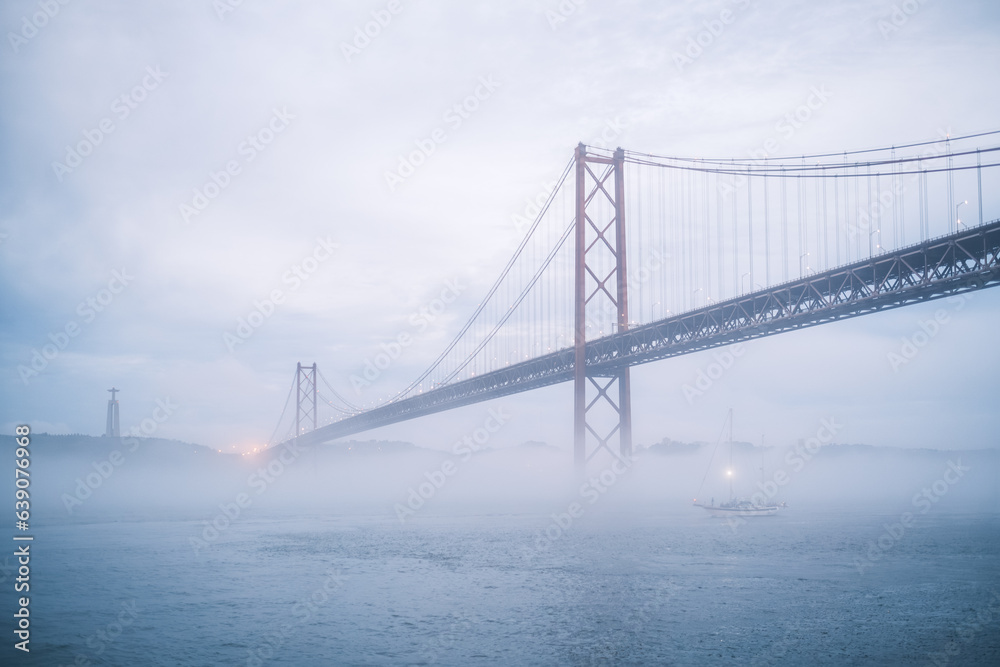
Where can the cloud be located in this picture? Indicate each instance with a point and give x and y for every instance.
(325, 175)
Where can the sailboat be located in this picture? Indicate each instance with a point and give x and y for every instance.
(735, 506)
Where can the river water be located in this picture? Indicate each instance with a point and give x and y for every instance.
(632, 586)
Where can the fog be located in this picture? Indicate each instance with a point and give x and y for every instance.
(85, 479)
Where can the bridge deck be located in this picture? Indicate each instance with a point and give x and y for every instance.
(960, 262)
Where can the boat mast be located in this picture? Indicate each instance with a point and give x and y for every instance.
(731, 495)
(762, 458)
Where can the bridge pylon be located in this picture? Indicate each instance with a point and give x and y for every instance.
(602, 406)
(305, 398)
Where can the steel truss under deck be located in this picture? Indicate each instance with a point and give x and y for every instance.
(964, 261)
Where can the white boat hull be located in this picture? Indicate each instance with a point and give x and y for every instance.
(723, 512)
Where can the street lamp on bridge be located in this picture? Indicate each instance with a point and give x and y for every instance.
(801, 257)
(958, 220)
(878, 246)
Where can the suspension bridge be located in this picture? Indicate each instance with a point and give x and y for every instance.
(636, 257)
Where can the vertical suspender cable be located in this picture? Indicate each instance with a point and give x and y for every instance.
(736, 243)
(798, 207)
(836, 217)
(805, 214)
(705, 227)
(784, 228)
(826, 229)
(868, 209)
(896, 241)
(637, 260)
(951, 187)
(767, 241)
(663, 222)
(817, 203)
(920, 201)
(899, 192)
(979, 180)
(857, 214)
(877, 209)
(750, 224)
(720, 294)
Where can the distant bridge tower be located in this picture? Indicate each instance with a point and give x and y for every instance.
(305, 398)
(600, 284)
(113, 430)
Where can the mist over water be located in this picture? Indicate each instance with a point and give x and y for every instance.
(374, 553)
(166, 479)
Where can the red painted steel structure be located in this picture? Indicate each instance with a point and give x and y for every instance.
(965, 261)
(594, 232)
(305, 397)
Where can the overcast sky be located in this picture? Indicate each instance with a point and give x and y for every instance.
(168, 95)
